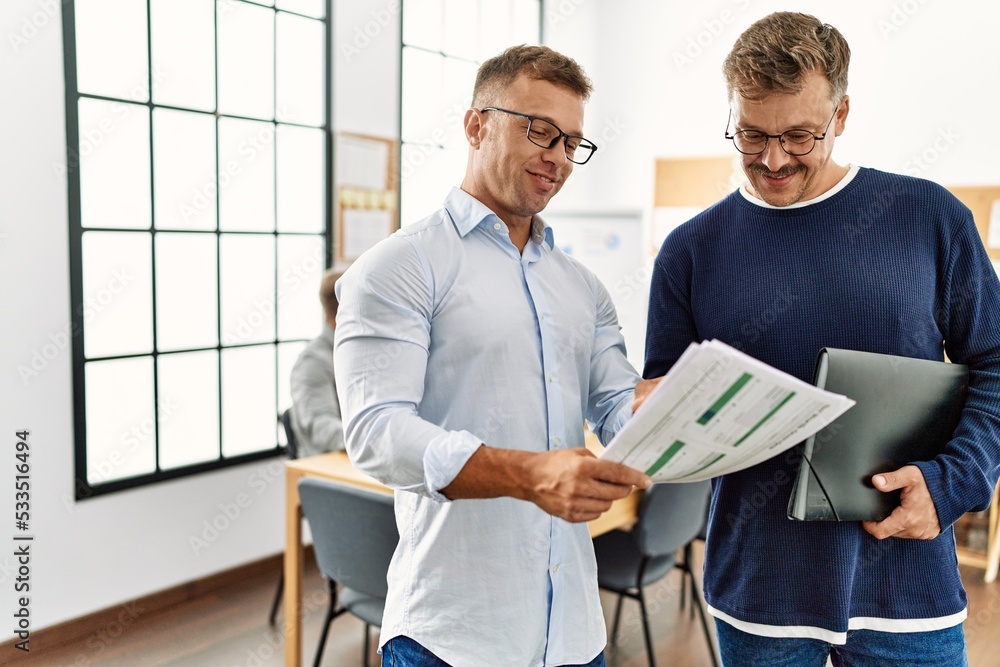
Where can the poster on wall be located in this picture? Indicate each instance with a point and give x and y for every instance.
(365, 201)
(611, 245)
(363, 228)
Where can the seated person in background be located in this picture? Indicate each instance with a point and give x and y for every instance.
(315, 408)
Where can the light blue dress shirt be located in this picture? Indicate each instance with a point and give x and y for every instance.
(447, 338)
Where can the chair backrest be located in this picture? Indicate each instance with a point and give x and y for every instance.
(354, 533)
(671, 516)
(293, 443)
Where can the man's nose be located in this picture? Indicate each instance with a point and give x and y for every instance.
(557, 154)
(774, 156)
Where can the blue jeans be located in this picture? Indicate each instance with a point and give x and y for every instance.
(864, 648)
(404, 652)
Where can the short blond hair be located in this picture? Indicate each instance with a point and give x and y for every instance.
(537, 62)
(777, 53)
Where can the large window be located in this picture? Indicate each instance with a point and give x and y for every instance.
(198, 153)
(444, 42)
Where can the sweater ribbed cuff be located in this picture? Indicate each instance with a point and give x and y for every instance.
(948, 509)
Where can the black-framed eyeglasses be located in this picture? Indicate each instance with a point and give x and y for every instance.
(794, 142)
(546, 134)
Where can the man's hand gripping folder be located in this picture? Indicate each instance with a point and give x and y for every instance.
(907, 410)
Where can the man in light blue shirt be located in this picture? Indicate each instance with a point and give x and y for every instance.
(469, 352)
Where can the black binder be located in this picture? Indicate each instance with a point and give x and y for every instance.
(907, 410)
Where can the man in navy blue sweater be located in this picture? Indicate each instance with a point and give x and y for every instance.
(812, 254)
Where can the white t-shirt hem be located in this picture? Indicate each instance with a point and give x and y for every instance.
(840, 638)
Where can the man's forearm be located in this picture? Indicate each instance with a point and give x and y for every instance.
(571, 484)
(492, 473)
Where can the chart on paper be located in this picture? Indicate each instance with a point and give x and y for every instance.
(719, 411)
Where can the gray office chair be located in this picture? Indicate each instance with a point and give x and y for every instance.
(688, 556)
(670, 517)
(354, 536)
(292, 452)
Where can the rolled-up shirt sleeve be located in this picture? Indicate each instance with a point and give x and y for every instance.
(380, 360)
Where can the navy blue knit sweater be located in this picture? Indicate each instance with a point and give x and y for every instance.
(889, 264)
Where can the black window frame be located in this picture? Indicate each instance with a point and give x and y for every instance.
(83, 489)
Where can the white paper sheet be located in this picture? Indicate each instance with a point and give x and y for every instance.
(362, 163)
(363, 228)
(718, 411)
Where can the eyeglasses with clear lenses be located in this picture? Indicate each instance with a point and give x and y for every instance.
(545, 134)
(794, 142)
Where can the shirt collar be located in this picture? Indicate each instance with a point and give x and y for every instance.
(541, 231)
(467, 213)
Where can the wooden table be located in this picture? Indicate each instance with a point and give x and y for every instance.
(337, 467)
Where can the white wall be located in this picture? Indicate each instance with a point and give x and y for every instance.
(107, 550)
(938, 73)
(366, 68)
(924, 87)
(922, 72)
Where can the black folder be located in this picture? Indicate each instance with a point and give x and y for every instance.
(907, 410)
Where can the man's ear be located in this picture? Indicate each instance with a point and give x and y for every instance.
(474, 130)
(842, 111)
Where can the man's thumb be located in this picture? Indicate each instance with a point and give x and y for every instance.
(885, 481)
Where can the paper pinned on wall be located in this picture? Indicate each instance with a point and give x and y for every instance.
(363, 228)
(362, 163)
(609, 243)
(993, 237)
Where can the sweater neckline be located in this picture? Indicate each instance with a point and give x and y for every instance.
(852, 171)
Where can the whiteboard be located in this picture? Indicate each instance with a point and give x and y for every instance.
(611, 245)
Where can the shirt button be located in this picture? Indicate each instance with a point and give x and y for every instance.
(496, 226)
(551, 379)
(556, 442)
(555, 569)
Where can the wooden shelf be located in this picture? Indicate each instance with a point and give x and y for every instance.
(990, 559)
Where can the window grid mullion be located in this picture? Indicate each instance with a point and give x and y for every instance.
(152, 236)
(218, 237)
(274, 204)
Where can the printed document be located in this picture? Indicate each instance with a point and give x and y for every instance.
(718, 411)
